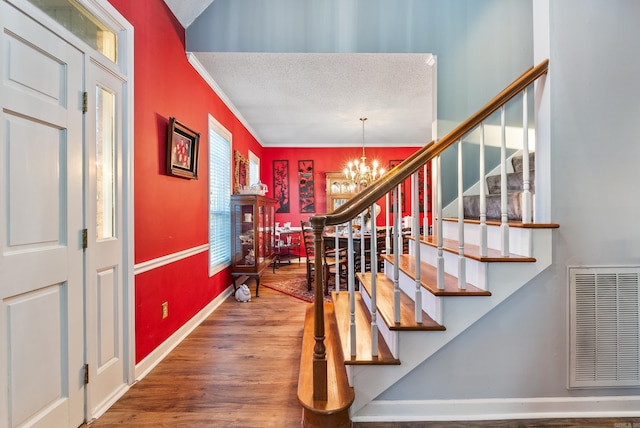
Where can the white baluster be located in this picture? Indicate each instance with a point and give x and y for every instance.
(400, 239)
(387, 240)
(416, 249)
(425, 207)
(362, 253)
(504, 225)
(373, 254)
(352, 290)
(483, 196)
(337, 254)
(440, 259)
(462, 262)
(396, 261)
(526, 179)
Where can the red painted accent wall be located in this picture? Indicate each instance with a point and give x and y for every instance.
(171, 214)
(324, 160)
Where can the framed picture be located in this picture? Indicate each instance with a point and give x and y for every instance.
(281, 185)
(182, 150)
(305, 186)
(240, 172)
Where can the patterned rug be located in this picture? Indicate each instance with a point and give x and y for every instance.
(295, 288)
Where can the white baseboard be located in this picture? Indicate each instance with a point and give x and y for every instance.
(498, 409)
(158, 354)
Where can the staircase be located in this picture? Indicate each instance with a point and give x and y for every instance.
(367, 340)
(446, 313)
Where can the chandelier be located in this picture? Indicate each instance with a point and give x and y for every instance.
(358, 171)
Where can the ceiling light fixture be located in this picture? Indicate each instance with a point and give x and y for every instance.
(361, 174)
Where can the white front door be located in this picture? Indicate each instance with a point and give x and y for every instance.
(104, 254)
(41, 223)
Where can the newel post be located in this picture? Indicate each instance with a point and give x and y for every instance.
(319, 350)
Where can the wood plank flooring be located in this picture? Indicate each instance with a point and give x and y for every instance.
(240, 369)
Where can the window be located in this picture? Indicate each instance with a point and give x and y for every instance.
(75, 18)
(219, 197)
(254, 168)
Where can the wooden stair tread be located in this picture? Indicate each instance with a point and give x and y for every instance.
(473, 251)
(363, 332)
(340, 394)
(429, 275)
(384, 304)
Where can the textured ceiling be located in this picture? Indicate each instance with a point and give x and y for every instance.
(317, 99)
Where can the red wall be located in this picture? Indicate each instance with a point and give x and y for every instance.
(171, 214)
(324, 160)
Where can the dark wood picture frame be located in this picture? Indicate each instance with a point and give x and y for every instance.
(281, 185)
(182, 150)
(305, 186)
(240, 172)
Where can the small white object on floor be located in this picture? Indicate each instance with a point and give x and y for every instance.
(243, 294)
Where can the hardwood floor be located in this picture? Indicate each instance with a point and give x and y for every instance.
(240, 369)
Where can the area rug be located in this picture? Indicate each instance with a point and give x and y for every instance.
(295, 288)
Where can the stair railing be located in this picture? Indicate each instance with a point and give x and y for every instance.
(389, 184)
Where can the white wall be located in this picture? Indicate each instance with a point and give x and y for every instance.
(520, 349)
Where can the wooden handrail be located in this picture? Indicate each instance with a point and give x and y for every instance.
(401, 172)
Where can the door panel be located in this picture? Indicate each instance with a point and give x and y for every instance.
(41, 258)
(104, 283)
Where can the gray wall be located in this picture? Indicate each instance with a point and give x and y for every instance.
(521, 348)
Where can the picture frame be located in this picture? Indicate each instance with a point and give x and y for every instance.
(281, 185)
(240, 171)
(182, 150)
(306, 186)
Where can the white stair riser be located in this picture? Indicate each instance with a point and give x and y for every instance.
(520, 240)
(475, 271)
(431, 304)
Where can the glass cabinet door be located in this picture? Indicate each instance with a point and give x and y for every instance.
(261, 234)
(244, 235)
(270, 212)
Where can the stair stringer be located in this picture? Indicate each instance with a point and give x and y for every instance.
(458, 314)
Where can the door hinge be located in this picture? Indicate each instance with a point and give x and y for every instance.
(85, 239)
(86, 374)
(84, 102)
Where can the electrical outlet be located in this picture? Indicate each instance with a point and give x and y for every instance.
(165, 310)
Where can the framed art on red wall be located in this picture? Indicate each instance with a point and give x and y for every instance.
(240, 172)
(305, 186)
(281, 185)
(182, 150)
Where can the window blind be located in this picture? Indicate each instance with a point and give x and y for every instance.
(219, 197)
